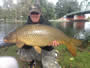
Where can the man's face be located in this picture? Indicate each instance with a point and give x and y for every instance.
(35, 17)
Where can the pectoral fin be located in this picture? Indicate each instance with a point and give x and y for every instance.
(38, 49)
(19, 44)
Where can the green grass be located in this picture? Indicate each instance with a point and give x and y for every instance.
(82, 60)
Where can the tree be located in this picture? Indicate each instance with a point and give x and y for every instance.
(48, 10)
(66, 6)
(22, 8)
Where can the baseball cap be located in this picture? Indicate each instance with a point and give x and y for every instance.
(35, 8)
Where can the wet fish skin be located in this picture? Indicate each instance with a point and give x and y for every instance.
(38, 35)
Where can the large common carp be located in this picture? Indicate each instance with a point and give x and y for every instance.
(38, 35)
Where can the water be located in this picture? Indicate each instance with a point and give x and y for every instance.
(87, 26)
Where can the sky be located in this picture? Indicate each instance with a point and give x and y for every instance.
(53, 1)
(1, 3)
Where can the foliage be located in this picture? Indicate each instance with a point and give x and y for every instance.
(66, 6)
(48, 10)
(21, 10)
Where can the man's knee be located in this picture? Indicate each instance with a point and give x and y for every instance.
(49, 62)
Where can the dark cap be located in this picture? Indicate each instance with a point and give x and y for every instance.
(35, 9)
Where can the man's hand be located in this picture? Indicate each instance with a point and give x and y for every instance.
(54, 43)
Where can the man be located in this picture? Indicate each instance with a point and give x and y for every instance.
(27, 53)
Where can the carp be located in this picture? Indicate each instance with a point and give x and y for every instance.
(38, 35)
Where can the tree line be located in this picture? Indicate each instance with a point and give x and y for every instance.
(20, 10)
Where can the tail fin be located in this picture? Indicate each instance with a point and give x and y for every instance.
(71, 45)
(76, 42)
(71, 48)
